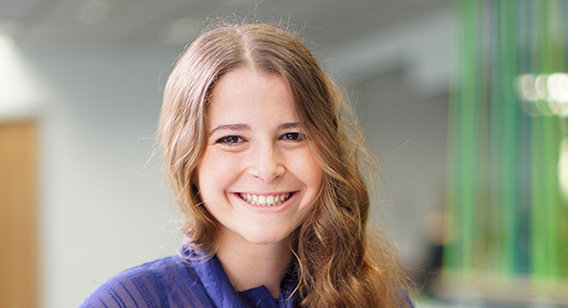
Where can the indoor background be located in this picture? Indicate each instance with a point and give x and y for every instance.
(462, 101)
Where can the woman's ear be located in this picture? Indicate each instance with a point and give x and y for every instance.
(194, 182)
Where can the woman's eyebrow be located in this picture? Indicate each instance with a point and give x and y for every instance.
(288, 125)
(240, 127)
(230, 127)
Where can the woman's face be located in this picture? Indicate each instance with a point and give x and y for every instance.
(258, 176)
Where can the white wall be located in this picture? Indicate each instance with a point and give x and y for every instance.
(407, 131)
(399, 81)
(104, 203)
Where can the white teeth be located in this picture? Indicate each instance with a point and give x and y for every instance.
(264, 200)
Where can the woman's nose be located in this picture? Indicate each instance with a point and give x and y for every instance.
(267, 164)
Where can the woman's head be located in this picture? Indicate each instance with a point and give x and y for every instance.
(259, 176)
(334, 262)
(183, 122)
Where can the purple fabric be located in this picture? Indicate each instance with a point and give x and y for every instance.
(184, 280)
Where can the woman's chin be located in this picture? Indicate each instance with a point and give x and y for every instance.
(266, 238)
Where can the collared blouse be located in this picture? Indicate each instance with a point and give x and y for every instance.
(185, 280)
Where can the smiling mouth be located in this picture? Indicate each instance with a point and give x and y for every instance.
(265, 200)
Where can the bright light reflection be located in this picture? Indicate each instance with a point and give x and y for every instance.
(557, 87)
(540, 86)
(19, 93)
(544, 94)
(526, 87)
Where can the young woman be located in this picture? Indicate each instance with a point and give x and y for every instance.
(267, 175)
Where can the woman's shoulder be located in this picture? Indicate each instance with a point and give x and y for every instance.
(405, 301)
(152, 284)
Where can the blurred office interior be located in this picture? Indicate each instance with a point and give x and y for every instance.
(464, 103)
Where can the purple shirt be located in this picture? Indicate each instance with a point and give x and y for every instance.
(183, 281)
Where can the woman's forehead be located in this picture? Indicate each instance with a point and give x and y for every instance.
(245, 94)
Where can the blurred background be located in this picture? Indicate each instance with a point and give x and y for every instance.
(464, 103)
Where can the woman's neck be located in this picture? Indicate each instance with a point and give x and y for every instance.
(250, 265)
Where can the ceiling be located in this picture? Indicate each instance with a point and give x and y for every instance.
(34, 23)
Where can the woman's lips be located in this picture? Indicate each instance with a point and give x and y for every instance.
(265, 200)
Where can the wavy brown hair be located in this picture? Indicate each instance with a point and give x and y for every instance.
(338, 265)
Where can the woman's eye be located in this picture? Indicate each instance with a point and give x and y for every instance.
(293, 137)
(230, 140)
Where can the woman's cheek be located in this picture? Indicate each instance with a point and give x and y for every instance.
(305, 166)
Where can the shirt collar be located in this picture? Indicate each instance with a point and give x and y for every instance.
(221, 291)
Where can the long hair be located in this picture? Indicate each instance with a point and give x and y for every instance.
(338, 265)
